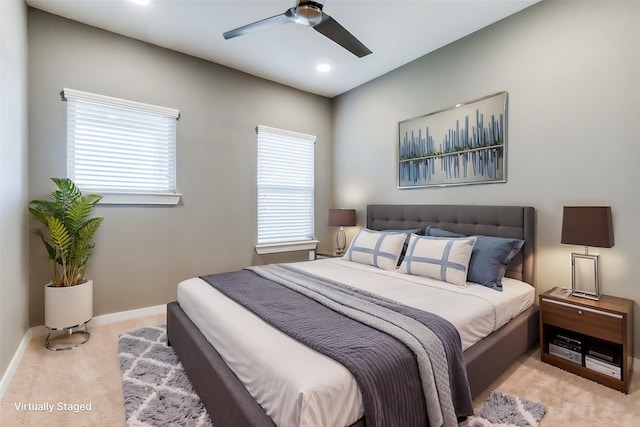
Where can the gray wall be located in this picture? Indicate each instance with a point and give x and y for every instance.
(573, 98)
(13, 179)
(143, 252)
(572, 73)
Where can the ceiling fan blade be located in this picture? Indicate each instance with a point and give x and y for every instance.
(274, 21)
(330, 28)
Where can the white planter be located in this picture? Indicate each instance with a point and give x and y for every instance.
(68, 307)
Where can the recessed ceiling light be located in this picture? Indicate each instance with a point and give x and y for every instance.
(142, 2)
(323, 68)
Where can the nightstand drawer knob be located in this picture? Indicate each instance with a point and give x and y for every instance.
(579, 311)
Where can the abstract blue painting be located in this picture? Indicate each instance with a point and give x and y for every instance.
(464, 144)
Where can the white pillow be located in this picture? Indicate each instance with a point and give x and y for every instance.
(376, 248)
(439, 258)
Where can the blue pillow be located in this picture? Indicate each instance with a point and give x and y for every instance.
(489, 259)
(409, 232)
(439, 232)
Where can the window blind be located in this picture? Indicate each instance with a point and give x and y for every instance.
(120, 146)
(285, 186)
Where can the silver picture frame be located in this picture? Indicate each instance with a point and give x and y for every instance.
(585, 277)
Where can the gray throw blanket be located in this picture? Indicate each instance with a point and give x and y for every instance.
(381, 351)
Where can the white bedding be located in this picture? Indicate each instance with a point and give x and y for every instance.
(300, 387)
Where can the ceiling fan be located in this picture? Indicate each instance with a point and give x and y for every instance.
(308, 13)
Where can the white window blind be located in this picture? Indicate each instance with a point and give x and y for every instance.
(285, 186)
(116, 146)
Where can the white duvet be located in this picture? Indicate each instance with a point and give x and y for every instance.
(297, 386)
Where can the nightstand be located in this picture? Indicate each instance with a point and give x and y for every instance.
(590, 324)
(320, 255)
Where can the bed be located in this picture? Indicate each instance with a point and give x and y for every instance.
(229, 402)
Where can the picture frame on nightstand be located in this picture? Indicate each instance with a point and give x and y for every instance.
(585, 275)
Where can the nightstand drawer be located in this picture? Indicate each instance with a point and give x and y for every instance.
(588, 321)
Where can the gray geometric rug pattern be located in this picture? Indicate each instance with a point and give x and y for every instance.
(503, 410)
(157, 392)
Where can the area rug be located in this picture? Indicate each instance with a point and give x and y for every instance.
(156, 389)
(158, 393)
(503, 410)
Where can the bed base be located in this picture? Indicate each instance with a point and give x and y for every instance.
(230, 404)
(489, 358)
(221, 392)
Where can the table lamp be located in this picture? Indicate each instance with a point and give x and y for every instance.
(342, 218)
(587, 226)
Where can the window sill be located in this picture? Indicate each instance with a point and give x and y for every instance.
(273, 248)
(166, 199)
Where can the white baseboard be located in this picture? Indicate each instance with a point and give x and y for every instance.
(121, 316)
(106, 319)
(41, 330)
(15, 361)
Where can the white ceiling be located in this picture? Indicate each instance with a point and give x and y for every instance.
(397, 32)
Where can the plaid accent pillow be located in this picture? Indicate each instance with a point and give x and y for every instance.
(439, 258)
(377, 248)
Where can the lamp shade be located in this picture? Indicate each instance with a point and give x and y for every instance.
(587, 226)
(342, 217)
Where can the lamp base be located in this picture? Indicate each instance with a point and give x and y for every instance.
(341, 241)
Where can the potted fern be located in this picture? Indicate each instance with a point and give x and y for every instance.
(67, 236)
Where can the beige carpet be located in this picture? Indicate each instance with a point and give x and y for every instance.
(88, 374)
(570, 400)
(91, 375)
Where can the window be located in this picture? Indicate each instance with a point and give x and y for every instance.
(285, 190)
(122, 150)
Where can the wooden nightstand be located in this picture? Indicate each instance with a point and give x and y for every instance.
(607, 322)
(320, 255)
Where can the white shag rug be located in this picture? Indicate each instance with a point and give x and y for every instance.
(503, 410)
(156, 389)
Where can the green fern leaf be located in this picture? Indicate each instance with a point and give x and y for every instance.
(59, 236)
(50, 250)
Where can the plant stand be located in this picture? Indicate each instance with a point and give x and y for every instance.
(69, 340)
(64, 306)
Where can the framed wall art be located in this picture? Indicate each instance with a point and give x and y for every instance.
(460, 145)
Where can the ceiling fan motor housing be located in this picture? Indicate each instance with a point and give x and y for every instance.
(308, 13)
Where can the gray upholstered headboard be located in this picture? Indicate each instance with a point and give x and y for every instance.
(502, 221)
